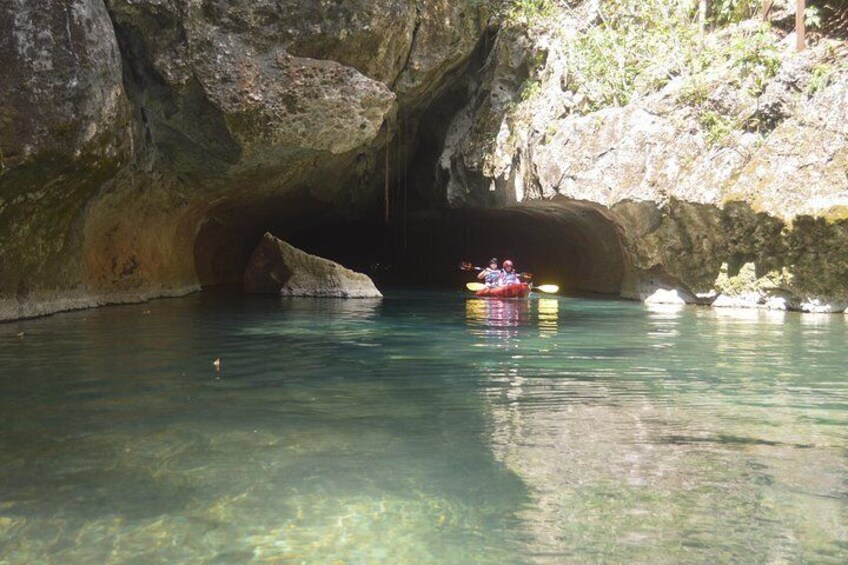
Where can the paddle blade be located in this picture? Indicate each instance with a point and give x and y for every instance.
(549, 288)
(474, 287)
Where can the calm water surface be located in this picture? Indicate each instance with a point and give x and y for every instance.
(423, 428)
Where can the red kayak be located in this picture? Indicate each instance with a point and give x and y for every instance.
(517, 290)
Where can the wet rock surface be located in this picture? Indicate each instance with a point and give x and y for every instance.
(279, 268)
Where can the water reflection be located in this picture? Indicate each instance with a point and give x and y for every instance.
(492, 317)
(345, 321)
(667, 453)
(757, 315)
(665, 310)
(502, 318)
(548, 316)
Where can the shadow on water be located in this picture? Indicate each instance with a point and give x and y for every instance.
(324, 434)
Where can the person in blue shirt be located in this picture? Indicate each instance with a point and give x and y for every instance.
(508, 274)
(491, 275)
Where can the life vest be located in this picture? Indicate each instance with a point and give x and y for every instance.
(509, 278)
(493, 278)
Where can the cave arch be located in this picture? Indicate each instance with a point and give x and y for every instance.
(572, 243)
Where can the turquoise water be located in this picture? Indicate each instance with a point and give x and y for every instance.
(423, 428)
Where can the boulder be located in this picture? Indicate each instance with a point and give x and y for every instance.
(279, 268)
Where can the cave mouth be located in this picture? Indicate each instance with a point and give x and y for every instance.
(570, 243)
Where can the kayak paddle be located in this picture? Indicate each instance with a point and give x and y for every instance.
(547, 288)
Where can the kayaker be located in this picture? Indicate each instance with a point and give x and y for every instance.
(508, 274)
(491, 275)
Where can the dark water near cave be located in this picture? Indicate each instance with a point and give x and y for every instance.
(424, 428)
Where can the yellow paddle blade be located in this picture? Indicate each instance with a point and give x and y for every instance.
(549, 288)
(474, 287)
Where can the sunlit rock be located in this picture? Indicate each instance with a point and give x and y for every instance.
(665, 297)
(778, 303)
(747, 300)
(279, 268)
(818, 306)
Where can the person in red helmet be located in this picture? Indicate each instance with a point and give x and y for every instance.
(509, 276)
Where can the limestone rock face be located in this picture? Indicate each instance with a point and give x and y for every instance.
(63, 134)
(703, 171)
(62, 92)
(143, 143)
(228, 85)
(279, 268)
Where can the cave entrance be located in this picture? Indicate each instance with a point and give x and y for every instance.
(565, 242)
(570, 243)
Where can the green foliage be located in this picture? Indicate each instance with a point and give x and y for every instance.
(723, 12)
(719, 127)
(695, 93)
(813, 17)
(757, 58)
(821, 77)
(518, 11)
(530, 89)
(639, 46)
(529, 10)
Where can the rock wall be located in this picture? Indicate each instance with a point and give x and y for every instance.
(146, 146)
(140, 139)
(64, 133)
(717, 168)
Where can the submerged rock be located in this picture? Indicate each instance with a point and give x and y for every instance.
(279, 268)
